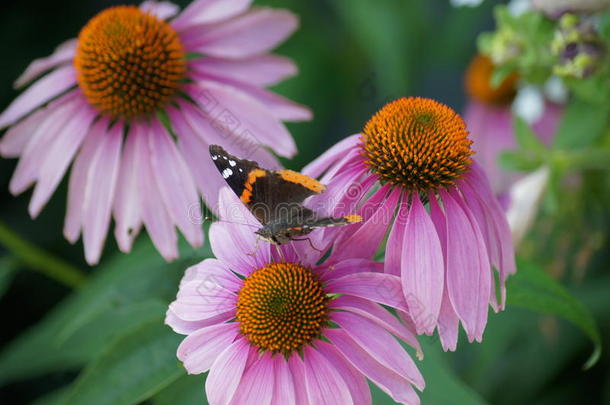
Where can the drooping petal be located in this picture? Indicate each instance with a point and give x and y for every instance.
(393, 247)
(380, 345)
(332, 155)
(63, 54)
(16, 138)
(422, 268)
(334, 270)
(127, 210)
(215, 275)
(183, 327)
(325, 386)
(252, 33)
(100, 190)
(384, 289)
(199, 350)
(284, 393)
(260, 70)
(468, 269)
(358, 387)
(226, 373)
(154, 213)
(237, 113)
(44, 90)
(398, 388)
(365, 241)
(160, 9)
(58, 157)
(208, 11)
(175, 183)
(35, 151)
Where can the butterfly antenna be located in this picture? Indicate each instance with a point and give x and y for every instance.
(229, 222)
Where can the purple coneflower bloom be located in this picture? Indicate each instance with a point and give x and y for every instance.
(135, 101)
(415, 153)
(489, 118)
(273, 326)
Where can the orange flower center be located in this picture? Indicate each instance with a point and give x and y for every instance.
(128, 62)
(417, 143)
(478, 83)
(282, 307)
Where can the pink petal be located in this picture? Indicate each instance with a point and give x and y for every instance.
(16, 138)
(376, 313)
(448, 321)
(175, 183)
(358, 387)
(369, 235)
(252, 33)
(284, 393)
(127, 207)
(391, 383)
(183, 327)
(36, 149)
(468, 270)
(45, 89)
(160, 9)
(281, 108)
(348, 266)
(380, 345)
(199, 350)
(325, 385)
(422, 268)
(393, 247)
(101, 186)
(215, 275)
(208, 11)
(261, 70)
(58, 156)
(297, 369)
(79, 179)
(238, 114)
(546, 126)
(257, 382)
(226, 373)
(325, 160)
(384, 289)
(63, 54)
(154, 213)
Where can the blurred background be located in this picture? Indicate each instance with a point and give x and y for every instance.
(354, 56)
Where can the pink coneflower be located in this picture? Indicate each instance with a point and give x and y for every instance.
(415, 152)
(275, 327)
(135, 101)
(489, 117)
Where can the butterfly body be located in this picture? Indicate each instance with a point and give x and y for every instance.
(275, 198)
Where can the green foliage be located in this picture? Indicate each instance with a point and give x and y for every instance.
(532, 288)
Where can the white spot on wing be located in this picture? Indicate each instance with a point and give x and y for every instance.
(215, 157)
(226, 173)
(232, 163)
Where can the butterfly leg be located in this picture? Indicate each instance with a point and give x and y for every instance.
(255, 248)
(311, 244)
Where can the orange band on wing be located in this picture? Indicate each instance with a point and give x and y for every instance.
(352, 219)
(305, 181)
(246, 195)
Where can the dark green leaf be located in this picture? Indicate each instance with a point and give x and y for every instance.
(131, 370)
(187, 390)
(8, 269)
(80, 327)
(534, 289)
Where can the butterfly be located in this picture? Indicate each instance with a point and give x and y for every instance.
(275, 198)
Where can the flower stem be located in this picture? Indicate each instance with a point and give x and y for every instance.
(39, 260)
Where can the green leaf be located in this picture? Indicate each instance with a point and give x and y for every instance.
(8, 269)
(534, 289)
(79, 328)
(526, 137)
(443, 385)
(582, 125)
(130, 370)
(520, 161)
(187, 390)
